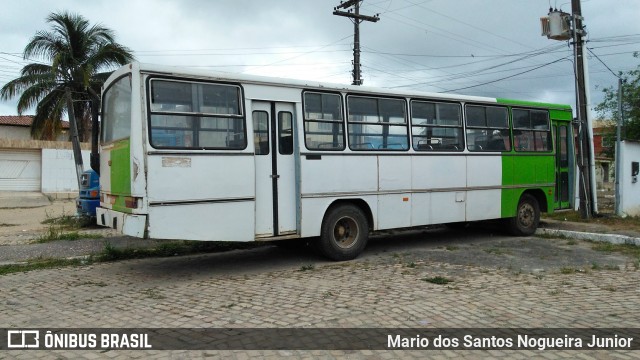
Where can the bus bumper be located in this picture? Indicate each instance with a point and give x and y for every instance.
(127, 224)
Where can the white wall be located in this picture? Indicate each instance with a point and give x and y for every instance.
(59, 170)
(15, 132)
(629, 191)
(24, 133)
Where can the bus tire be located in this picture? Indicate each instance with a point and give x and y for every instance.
(344, 233)
(527, 216)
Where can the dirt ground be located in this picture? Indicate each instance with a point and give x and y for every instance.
(19, 226)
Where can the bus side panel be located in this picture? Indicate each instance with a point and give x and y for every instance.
(439, 184)
(484, 181)
(202, 197)
(394, 184)
(213, 222)
(510, 196)
(337, 174)
(330, 178)
(529, 172)
(120, 174)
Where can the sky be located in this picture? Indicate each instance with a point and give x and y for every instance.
(473, 47)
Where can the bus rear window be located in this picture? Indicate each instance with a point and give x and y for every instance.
(116, 113)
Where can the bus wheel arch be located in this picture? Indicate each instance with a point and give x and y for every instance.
(527, 217)
(345, 230)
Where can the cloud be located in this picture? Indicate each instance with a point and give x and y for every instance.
(423, 45)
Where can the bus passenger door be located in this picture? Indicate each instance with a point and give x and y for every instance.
(273, 127)
(562, 141)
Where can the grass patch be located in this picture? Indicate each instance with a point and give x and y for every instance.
(307, 267)
(7, 225)
(596, 266)
(452, 248)
(153, 294)
(496, 251)
(93, 283)
(173, 248)
(39, 264)
(54, 234)
(438, 280)
(70, 221)
(110, 253)
(551, 236)
(627, 249)
(628, 223)
(60, 228)
(411, 265)
(568, 270)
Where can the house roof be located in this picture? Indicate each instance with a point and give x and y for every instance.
(24, 120)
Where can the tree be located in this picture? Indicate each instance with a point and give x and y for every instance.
(76, 56)
(608, 108)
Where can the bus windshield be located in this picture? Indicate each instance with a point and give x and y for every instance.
(116, 113)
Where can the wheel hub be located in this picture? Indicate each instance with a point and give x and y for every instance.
(346, 232)
(526, 215)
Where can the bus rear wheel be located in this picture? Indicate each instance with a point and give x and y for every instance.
(527, 216)
(344, 233)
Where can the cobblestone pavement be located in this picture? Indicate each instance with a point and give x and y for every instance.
(498, 281)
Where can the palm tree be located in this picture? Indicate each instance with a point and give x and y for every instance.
(76, 56)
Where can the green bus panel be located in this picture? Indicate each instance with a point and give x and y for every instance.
(521, 172)
(121, 174)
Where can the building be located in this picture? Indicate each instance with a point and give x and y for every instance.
(35, 165)
(16, 127)
(603, 150)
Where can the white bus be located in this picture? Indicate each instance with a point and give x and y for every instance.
(197, 155)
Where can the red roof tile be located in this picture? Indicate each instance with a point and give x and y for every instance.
(24, 120)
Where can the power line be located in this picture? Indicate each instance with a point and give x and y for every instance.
(511, 76)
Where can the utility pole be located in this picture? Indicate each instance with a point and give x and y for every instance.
(619, 123)
(587, 198)
(357, 18)
(557, 26)
(75, 142)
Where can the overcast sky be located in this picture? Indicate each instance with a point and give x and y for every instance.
(476, 47)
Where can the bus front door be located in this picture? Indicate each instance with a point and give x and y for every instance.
(273, 127)
(562, 143)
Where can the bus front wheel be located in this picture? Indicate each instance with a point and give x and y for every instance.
(527, 216)
(344, 233)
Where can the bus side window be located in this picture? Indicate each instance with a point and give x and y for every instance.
(261, 132)
(487, 128)
(531, 130)
(285, 133)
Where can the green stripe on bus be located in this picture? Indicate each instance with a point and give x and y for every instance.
(121, 174)
(533, 103)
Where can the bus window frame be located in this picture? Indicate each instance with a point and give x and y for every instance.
(508, 127)
(342, 121)
(551, 146)
(103, 104)
(406, 123)
(192, 114)
(461, 128)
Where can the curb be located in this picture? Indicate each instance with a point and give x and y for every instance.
(610, 238)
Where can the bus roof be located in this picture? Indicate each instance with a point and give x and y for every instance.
(310, 84)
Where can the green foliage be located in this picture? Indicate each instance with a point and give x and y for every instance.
(438, 280)
(608, 108)
(74, 54)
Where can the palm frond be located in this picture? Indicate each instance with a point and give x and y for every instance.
(49, 109)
